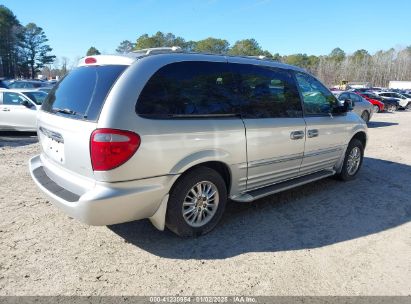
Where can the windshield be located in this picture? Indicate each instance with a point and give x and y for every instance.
(37, 97)
(82, 92)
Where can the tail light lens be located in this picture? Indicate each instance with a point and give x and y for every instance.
(90, 60)
(110, 148)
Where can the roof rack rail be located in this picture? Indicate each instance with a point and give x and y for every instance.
(257, 57)
(158, 50)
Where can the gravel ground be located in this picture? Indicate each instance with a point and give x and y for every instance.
(325, 238)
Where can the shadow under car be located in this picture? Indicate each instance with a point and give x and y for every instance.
(311, 216)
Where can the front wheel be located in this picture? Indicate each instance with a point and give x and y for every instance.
(352, 161)
(376, 109)
(196, 203)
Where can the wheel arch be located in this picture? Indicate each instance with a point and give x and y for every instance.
(361, 135)
(219, 166)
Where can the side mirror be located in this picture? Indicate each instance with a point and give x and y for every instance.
(27, 104)
(348, 105)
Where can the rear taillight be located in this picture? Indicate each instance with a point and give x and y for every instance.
(110, 148)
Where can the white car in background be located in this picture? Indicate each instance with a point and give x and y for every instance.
(18, 109)
(403, 101)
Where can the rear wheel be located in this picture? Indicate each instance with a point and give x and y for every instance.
(376, 109)
(392, 108)
(352, 161)
(365, 116)
(196, 202)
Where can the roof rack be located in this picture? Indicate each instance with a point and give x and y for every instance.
(257, 57)
(158, 50)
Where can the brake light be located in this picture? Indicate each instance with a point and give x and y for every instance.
(110, 148)
(90, 60)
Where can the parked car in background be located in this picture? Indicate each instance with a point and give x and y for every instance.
(360, 105)
(35, 95)
(26, 84)
(363, 90)
(3, 85)
(404, 102)
(18, 111)
(390, 104)
(378, 106)
(45, 89)
(172, 136)
(51, 82)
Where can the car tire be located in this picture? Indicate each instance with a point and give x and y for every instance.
(191, 210)
(365, 116)
(354, 156)
(376, 109)
(392, 108)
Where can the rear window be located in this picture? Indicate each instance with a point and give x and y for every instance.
(82, 92)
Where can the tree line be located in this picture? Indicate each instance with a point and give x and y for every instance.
(24, 52)
(23, 49)
(360, 66)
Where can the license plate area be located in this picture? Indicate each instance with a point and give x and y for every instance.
(53, 145)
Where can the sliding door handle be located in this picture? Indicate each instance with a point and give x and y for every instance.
(297, 135)
(312, 133)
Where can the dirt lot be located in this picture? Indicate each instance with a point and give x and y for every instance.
(326, 238)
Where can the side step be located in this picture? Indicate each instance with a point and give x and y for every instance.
(261, 192)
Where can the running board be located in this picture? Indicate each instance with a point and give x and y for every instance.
(272, 189)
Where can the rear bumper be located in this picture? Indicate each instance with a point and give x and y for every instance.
(104, 203)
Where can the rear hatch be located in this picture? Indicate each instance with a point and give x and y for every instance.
(70, 113)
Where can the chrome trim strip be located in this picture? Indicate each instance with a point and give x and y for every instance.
(324, 151)
(258, 163)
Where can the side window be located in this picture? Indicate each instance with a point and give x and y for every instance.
(355, 97)
(12, 99)
(318, 100)
(344, 96)
(189, 88)
(266, 92)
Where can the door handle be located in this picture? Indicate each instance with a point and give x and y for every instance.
(5, 110)
(297, 135)
(312, 133)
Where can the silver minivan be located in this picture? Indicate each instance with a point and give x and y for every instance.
(171, 136)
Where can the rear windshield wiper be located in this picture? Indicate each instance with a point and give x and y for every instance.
(64, 111)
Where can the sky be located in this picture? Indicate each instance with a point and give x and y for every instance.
(280, 26)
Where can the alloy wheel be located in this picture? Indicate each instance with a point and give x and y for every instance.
(200, 204)
(354, 160)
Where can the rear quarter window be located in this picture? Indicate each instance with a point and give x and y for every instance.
(81, 94)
